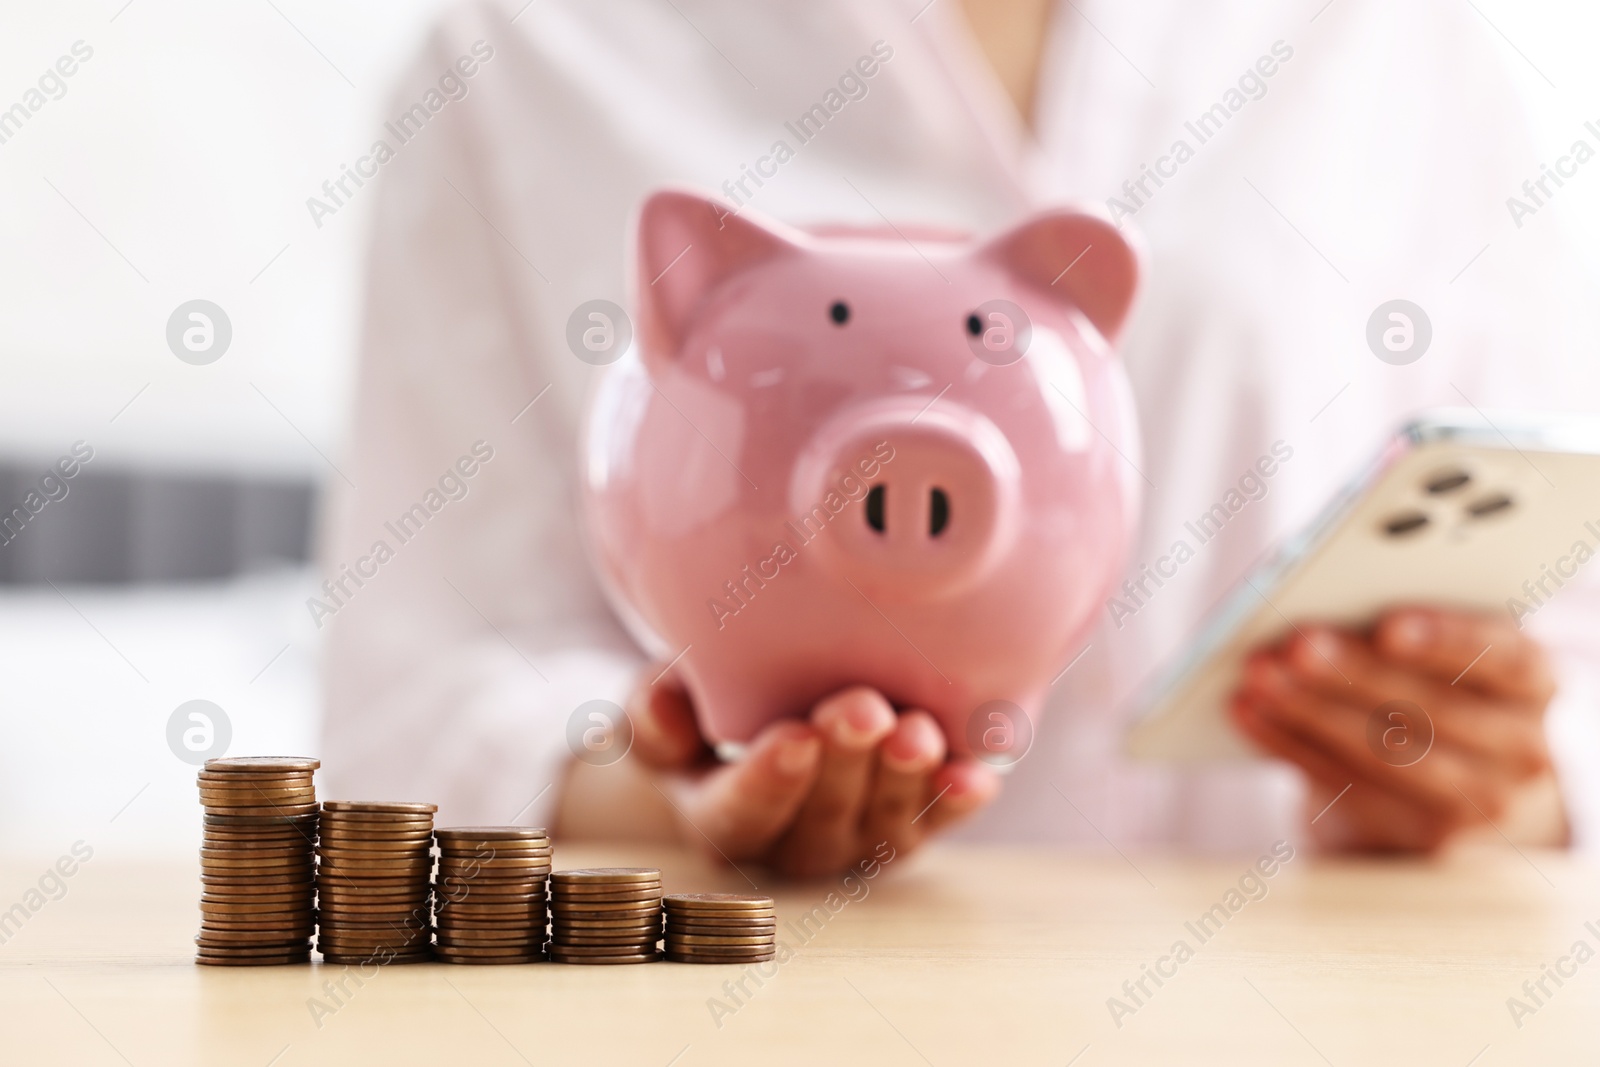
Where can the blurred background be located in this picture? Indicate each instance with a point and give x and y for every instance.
(173, 165)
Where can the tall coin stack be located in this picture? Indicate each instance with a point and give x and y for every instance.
(490, 894)
(374, 882)
(605, 915)
(720, 928)
(257, 903)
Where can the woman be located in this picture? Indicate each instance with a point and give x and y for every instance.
(1289, 174)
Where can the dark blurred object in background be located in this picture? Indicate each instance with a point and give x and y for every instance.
(141, 526)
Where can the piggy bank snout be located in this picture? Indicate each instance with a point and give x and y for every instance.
(929, 498)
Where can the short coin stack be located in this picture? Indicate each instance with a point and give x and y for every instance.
(605, 915)
(257, 904)
(490, 894)
(374, 882)
(720, 928)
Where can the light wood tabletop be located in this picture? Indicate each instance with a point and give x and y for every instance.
(954, 956)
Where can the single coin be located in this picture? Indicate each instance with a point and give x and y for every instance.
(715, 939)
(256, 907)
(564, 956)
(268, 936)
(352, 877)
(637, 933)
(242, 803)
(333, 889)
(344, 941)
(374, 918)
(479, 896)
(375, 911)
(508, 912)
(231, 950)
(495, 833)
(679, 957)
(604, 938)
(348, 936)
(256, 843)
(263, 763)
(307, 823)
(768, 932)
(239, 774)
(605, 907)
(335, 865)
(383, 959)
(748, 954)
(351, 907)
(232, 851)
(540, 864)
(619, 944)
(469, 938)
(625, 900)
(253, 961)
(379, 807)
(333, 826)
(577, 891)
(211, 898)
(519, 884)
(296, 925)
(490, 922)
(492, 950)
(369, 828)
(298, 885)
(722, 920)
(647, 915)
(593, 875)
(340, 856)
(250, 948)
(254, 784)
(718, 902)
(368, 846)
(246, 856)
(444, 956)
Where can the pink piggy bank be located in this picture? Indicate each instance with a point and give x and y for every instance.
(840, 457)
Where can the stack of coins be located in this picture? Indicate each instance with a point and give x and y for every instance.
(257, 903)
(605, 915)
(720, 928)
(374, 882)
(490, 894)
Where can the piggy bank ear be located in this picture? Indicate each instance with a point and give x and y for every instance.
(688, 245)
(1077, 257)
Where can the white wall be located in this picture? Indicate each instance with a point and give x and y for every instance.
(190, 140)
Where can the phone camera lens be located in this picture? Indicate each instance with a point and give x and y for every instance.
(1446, 482)
(1407, 522)
(1489, 505)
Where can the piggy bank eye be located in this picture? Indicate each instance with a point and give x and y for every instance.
(974, 325)
(839, 312)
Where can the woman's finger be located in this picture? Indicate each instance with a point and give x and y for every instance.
(665, 734)
(740, 809)
(824, 836)
(906, 761)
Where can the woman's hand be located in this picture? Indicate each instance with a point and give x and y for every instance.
(1481, 684)
(808, 798)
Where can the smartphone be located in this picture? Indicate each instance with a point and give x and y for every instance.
(1491, 513)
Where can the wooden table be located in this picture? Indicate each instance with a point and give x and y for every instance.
(955, 956)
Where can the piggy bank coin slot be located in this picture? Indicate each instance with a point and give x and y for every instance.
(839, 313)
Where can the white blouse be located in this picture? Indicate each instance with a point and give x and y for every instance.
(1287, 176)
